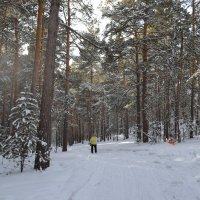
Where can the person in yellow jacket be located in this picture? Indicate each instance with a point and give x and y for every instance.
(93, 143)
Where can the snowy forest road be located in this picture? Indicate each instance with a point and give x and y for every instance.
(123, 171)
(119, 171)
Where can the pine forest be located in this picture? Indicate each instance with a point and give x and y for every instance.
(66, 73)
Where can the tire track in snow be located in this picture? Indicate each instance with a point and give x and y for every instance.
(93, 178)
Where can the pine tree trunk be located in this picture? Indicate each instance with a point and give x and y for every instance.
(91, 128)
(144, 86)
(4, 109)
(198, 111)
(16, 64)
(103, 129)
(3, 26)
(22, 163)
(67, 74)
(38, 48)
(126, 124)
(178, 93)
(166, 104)
(193, 69)
(42, 160)
(139, 137)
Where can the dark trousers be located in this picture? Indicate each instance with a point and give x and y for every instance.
(95, 148)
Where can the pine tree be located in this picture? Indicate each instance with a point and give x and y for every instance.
(21, 144)
(3, 136)
(44, 130)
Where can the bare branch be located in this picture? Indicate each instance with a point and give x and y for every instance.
(80, 35)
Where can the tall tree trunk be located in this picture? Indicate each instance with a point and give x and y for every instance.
(178, 89)
(3, 26)
(16, 64)
(38, 48)
(193, 68)
(4, 106)
(117, 120)
(67, 74)
(139, 137)
(42, 160)
(198, 111)
(102, 122)
(91, 128)
(5, 109)
(126, 124)
(144, 86)
(166, 117)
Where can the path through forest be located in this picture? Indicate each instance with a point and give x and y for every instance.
(119, 171)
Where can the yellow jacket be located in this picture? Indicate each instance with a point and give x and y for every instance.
(93, 140)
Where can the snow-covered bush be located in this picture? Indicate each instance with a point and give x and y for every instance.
(3, 135)
(22, 140)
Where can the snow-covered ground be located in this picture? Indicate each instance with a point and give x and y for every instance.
(119, 171)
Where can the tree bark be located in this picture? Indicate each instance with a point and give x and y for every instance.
(38, 48)
(178, 89)
(193, 69)
(166, 104)
(16, 64)
(5, 109)
(139, 137)
(144, 86)
(42, 160)
(67, 74)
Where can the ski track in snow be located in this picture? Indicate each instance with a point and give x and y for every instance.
(119, 171)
